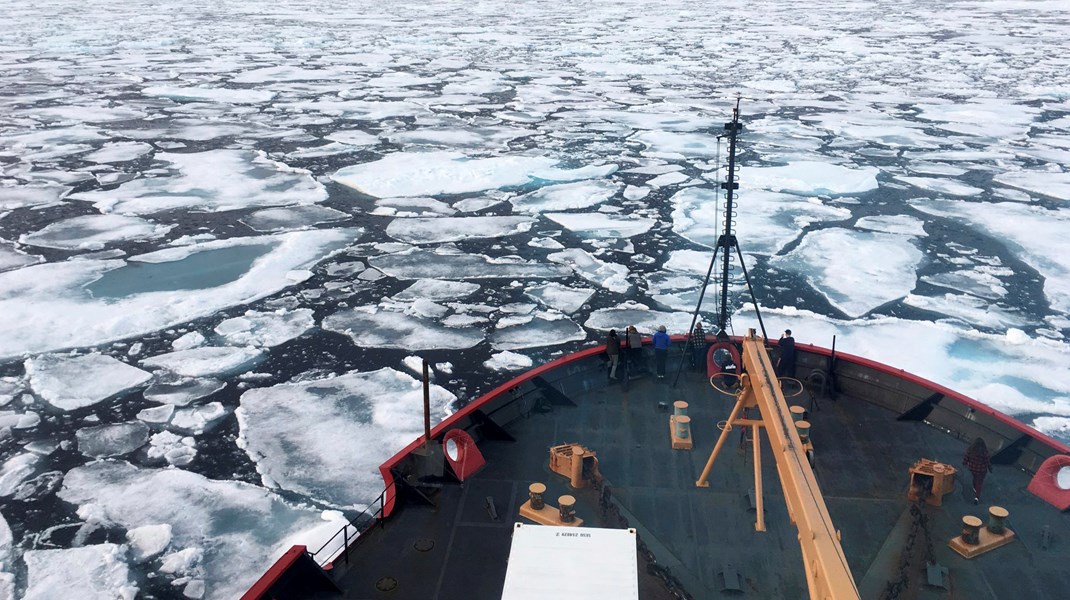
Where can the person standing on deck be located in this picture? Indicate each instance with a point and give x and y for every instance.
(979, 463)
(635, 349)
(785, 367)
(698, 347)
(661, 350)
(613, 352)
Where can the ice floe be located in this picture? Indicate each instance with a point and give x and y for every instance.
(177, 450)
(198, 419)
(112, 440)
(633, 313)
(856, 271)
(16, 470)
(611, 276)
(180, 391)
(97, 573)
(560, 297)
(206, 361)
(46, 307)
(436, 289)
(26, 196)
(565, 196)
(425, 207)
(669, 144)
(540, 331)
(292, 217)
(600, 225)
(810, 178)
(94, 232)
(949, 187)
(1051, 184)
(202, 94)
(148, 541)
(70, 383)
(203, 514)
(507, 361)
(372, 327)
(443, 263)
(432, 173)
(119, 152)
(349, 425)
(266, 329)
(901, 224)
(13, 258)
(454, 229)
(211, 181)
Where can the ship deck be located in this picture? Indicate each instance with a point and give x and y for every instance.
(862, 459)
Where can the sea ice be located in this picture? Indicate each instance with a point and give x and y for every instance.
(949, 187)
(432, 173)
(856, 271)
(25, 196)
(206, 361)
(671, 145)
(177, 450)
(16, 470)
(901, 224)
(453, 229)
(611, 276)
(508, 361)
(1030, 231)
(645, 320)
(203, 513)
(181, 391)
(119, 152)
(292, 217)
(211, 181)
(969, 309)
(419, 207)
(157, 414)
(112, 440)
(200, 94)
(599, 225)
(266, 329)
(148, 541)
(198, 419)
(48, 307)
(353, 137)
(1053, 185)
(371, 327)
(13, 258)
(436, 289)
(813, 178)
(94, 232)
(192, 339)
(536, 333)
(347, 426)
(560, 297)
(565, 196)
(975, 282)
(97, 573)
(450, 264)
(70, 383)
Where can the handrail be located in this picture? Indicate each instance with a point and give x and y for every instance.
(359, 528)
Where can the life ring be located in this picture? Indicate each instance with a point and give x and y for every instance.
(719, 356)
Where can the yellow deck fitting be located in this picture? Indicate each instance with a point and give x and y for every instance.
(976, 540)
(677, 426)
(937, 478)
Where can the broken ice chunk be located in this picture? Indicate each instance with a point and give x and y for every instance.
(96, 572)
(599, 225)
(112, 440)
(148, 541)
(197, 420)
(611, 276)
(206, 361)
(266, 329)
(560, 297)
(180, 391)
(453, 229)
(436, 289)
(373, 328)
(442, 264)
(292, 217)
(535, 333)
(508, 361)
(94, 232)
(70, 383)
(565, 196)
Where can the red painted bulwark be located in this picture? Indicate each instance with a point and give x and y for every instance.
(268, 579)
(469, 458)
(1045, 483)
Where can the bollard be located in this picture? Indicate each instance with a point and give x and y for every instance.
(683, 427)
(568, 508)
(798, 413)
(803, 428)
(971, 530)
(679, 408)
(996, 516)
(576, 480)
(535, 492)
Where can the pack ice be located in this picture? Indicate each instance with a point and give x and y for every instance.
(93, 232)
(70, 383)
(97, 573)
(373, 327)
(327, 437)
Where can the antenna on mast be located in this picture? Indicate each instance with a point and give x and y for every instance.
(727, 241)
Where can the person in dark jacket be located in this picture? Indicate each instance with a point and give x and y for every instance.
(613, 352)
(785, 367)
(979, 464)
(661, 350)
(698, 347)
(634, 342)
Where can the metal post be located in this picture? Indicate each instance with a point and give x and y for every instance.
(746, 277)
(759, 525)
(427, 404)
(702, 480)
(345, 535)
(694, 317)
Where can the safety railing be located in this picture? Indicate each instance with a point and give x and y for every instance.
(344, 540)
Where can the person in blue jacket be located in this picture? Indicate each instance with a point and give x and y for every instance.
(661, 350)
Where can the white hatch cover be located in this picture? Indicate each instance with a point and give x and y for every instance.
(572, 562)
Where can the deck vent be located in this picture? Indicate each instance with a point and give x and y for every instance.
(730, 579)
(424, 545)
(386, 584)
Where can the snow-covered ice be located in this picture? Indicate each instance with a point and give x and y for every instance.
(809, 178)
(292, 217)
(372, 327)
(346, 426)
(148, 541)
(97, 572)
(543, 330)
(633, 313)
(206, 361)
(70, 383)
(560, 297)
(611, 276)
(446, 264)
(266, 330)
(198, 419)
(454, 229)
(508, 361)
(565, 196)
(437, 289)
(13, 258)
(434, 173)
(600, 225)
(94, 232)
(844, 266)
(103, 441)
(176, 390)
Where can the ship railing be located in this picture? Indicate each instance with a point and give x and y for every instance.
(339, 546)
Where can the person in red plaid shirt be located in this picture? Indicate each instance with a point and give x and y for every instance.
(979, 463)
